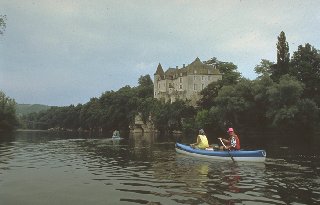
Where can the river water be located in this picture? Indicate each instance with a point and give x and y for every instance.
(62, 168)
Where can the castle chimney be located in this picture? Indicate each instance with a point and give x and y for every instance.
(184, 65)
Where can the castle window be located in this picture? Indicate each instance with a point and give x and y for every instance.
(202, 86)
(159, 85)
(202, 77)
(180, 80)
(180, 86)
(194, 86)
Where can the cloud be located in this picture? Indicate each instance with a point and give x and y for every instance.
(252, 41)
(79, 49)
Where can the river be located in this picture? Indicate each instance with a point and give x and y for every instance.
(39, 168)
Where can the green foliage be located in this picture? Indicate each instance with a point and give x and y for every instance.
(308, 115)
(230, 77)
(285, 93)
(229, 70)
(113, 110)
(24, 109)
(233, 101)
(208, 94)
(264, 68)
(283, 54)
(203, 119)
(230, 74)
(147, 107)
(283, 98)
(145, 88)
(118, 108)
(305, 66)
(189, 126)
(8, 120)
(283, 58)
(169, 116)
(261, 103)
(275, 99)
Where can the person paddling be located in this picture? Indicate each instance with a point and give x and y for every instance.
(202, 141)
(233, 143)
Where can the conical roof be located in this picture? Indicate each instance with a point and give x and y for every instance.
(159, 70)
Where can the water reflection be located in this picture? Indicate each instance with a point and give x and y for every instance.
(215, 182)
(144, 169)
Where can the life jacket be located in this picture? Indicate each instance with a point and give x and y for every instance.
(203, 142)
(235, 142)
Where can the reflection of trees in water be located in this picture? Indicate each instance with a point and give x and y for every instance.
(141, 145)
(186, 179)
(6, 150)
(209, 182)
(295, 181)
(144, 167)
(142, 139)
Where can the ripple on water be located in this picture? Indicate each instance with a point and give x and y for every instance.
(152, 173)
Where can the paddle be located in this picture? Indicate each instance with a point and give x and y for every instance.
(226, 148)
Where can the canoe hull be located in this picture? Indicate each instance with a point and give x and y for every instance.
(238, 156)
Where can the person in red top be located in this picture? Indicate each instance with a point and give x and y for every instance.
(233, 143)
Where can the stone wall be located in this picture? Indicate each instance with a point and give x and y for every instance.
(140, 126)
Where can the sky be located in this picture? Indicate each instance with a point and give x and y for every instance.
(63, 52)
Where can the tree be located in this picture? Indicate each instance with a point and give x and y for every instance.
(208, 94)
(3, 24)
(230, 77)
(90, 114)
(234, 102)
(169, 116)
(308, 115)
(230, 74)
(203, 119)
(260, 89)
(118, 108)
(8, 120)
(283, 58)
(283, 98)
(145, 87)
(264, 68)
(72, 118)
(229, 71)
(305, 66)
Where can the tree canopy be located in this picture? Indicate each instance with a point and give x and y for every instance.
(8, 119)
(283, 58)
(285, 95)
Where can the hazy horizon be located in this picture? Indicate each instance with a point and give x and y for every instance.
(66, 52)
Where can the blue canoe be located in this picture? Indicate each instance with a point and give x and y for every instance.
(238, 156)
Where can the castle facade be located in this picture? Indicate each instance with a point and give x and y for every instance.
(184, 83)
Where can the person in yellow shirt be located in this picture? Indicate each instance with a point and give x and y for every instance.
(202, 141)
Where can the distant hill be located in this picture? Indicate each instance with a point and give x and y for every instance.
(24, 109)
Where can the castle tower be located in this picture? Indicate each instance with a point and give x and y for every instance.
(158, 75)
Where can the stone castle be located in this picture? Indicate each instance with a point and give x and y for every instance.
(184, 83)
